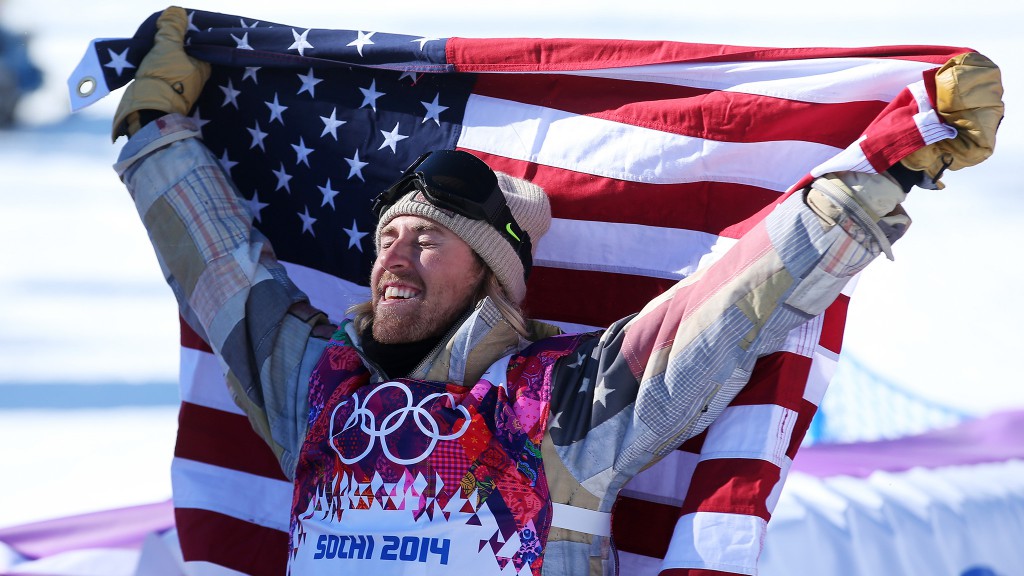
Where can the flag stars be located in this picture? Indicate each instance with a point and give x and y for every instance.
(301, 153)
(329, 194)
(257, 136)
(355, 237)
(423, 41)
(307, 222)
(370, 96)
(226, 162)
(253, 25)
(230, 94)
(191, 27)
(275, 110)
(391, 139)
(243, 42)
(309, 82)
(198, 119)
(301, 43)
(355, 166)
(601, 395)
(250, 72)
(119, 61)
(282, 179)
(361, 40)
(433, 110)
(255, 206)
(331, 124)
(413, 76)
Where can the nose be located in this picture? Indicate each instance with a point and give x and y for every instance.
(397, 256)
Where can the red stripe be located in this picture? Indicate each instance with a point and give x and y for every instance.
(190, 339)
(702, 206)
(779, 378)
(223, 439)
(531, 54)
(731, 486)
(609, 296)
(693, 572)
(833, 324)
(643, 527)
(894, 134)
(236, 544)
(696, 112)
(803, 422)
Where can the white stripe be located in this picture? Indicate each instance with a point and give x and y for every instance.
(824, 80)
(631, 153)
(637, 564)
(241, 495)
(326, 292)
(667, 481)
(803, 339)
(773, 498)
(654, 251)
(824, 363)
(581, 519)
(716, 541)
(761, 431)
(928, 124)
(202, 381)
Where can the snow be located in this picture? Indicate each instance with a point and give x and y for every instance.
(83, 302)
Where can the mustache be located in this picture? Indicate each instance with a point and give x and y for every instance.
(387, 276)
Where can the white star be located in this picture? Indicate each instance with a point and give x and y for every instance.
(255, 206)
(250, 72)
(586, 386)
(300, 43)
(370, 95)
(433, 110)
(226, 162)
(579, 360)
(554, 423)
(309, 82)
(601, 395)
(191, 27)
(355, 166)
(119, 61)
(230, 94)
(275, 110)
(391, 139)
(282, 179)
(328, 193)
(301, 153)
(307, 222)
(253, 25)
(410, 75)
(361, 41)
(243, 42)
(423, 41)
(354, 236)
(331, 124)
(257, 136)
(198, 119)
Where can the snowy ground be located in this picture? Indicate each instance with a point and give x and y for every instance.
(82, 301)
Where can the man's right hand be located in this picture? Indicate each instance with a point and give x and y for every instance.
(168, 80)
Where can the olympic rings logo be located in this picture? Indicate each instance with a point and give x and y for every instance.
(367, 422)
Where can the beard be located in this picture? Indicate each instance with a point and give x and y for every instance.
(429, 315)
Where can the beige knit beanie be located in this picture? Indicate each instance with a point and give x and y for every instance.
(529, 206)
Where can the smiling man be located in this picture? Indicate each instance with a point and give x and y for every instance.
(437, 431)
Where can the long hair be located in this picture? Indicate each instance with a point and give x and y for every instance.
(362, 313)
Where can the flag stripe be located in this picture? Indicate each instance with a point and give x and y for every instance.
(223, 439)
(687, 111)
(717, 541)
(620, 295)
(528, 54)
(248, 497)
(235, 544)
(637, 154)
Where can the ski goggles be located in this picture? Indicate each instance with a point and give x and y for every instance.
(462, 183)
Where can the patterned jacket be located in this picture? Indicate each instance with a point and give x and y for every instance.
(611, 403)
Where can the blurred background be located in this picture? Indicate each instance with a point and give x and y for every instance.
(89, 332)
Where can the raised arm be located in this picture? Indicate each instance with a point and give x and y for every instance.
(230, 288)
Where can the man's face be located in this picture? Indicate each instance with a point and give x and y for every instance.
(424, 278)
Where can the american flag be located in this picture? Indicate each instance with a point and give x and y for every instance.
(656, 157)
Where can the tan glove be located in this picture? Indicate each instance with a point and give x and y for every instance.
(969, 91)
(168, 80)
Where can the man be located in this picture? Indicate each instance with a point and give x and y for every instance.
(438, 431)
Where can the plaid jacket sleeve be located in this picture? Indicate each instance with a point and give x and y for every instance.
(230, 288)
